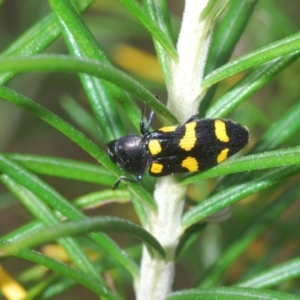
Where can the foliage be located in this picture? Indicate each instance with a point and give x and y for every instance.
(55, 166)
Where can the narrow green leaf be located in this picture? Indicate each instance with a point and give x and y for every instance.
(270, 159)
(247, 235)
(60, 285)
(235, 193)
(274, 50)
(92, 200)
(225, 38)
(73, 64)
(228, 32)
(72, 22)
(58, 202)
(60, 268)
(140, 210)
(159, 12)
(189, 237)
(37, 37)
(81, 117)
(287, 125)
(81, 43)
(248, 85)
(43, 213)
(23, 230)
(35, 291)
(135, 8)
(106, 224)
(66, 168)
(286, 271)
(231, 293)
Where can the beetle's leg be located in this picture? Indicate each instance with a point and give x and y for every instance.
(145, 129)
(138, 178)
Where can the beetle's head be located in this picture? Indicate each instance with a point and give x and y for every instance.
(128, 153)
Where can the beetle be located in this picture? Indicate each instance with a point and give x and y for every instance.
(197, 145)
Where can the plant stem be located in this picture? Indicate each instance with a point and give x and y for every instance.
(157, 274)
(185, 94)
(185, 91)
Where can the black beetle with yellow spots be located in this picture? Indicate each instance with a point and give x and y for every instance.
(194, 146)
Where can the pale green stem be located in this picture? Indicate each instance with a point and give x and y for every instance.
(185, 91)
(185, 94)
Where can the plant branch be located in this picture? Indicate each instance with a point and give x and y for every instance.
(156, 275)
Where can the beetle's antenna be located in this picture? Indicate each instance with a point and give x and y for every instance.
(149, 121)
(142, 123)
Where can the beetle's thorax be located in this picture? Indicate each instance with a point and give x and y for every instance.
(129, 153)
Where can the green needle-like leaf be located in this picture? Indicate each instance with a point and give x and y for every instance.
(135, 8)
(273, 276)
(252, 230)
(248, 85)
(81, 43)
(92, 200)
(67, 63)
(158, 11)
(66, 168)
(60, 268)
(225, 38)
(282, 47)
(270, 159)
(37, 37)
(57, 201)
(42, 212)
(235, 193)
(230, 293)
(106, 224)
(288, 125)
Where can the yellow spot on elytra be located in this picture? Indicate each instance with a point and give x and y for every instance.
(168, 129)
(189, 139)
(223, 155)
(220, 131)
(154, 147)
(190, 163)
(156, 168)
